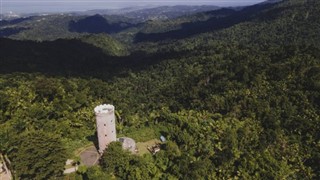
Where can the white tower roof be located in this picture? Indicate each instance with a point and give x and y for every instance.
(105, 108)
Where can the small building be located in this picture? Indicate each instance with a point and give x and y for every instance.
(128, 144)
(154, 149)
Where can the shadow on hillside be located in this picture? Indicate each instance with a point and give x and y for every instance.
(71, 58)
(97, 24)
(11, 31)
(227, 19)
(14, 21)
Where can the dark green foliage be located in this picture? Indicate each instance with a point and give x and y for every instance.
(109, 45)
(69, 57)
(96, 24)
(172, 150)
(38, 155)
(115, 159)
(96, 173)
(126, 166)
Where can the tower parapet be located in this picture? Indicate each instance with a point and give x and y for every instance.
(106, 125)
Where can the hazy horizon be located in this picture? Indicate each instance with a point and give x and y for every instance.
(36, 6)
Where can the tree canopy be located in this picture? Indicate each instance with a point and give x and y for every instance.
(38, 155)
(236, 102)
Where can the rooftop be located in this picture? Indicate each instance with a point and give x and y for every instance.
(128, 143)
(105, 108)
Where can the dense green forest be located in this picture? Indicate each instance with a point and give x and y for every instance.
(237, 101)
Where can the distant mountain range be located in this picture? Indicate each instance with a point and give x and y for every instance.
(69, 25)
(140, 13)
(166, 12)
(127, 24)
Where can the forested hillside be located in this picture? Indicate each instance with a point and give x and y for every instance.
(67, 26)
(235, 101)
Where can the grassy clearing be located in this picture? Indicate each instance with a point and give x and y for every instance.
(74, 145)
(141, 134)
(142, 146)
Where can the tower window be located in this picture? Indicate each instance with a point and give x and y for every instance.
(105, 125)
(105, 135)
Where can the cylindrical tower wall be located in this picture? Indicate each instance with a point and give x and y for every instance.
(106, 126)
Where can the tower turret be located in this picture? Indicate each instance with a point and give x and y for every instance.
(106, 125)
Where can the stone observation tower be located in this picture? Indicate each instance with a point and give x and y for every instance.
(106, 125)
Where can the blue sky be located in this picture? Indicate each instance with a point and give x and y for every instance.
(32, 6)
